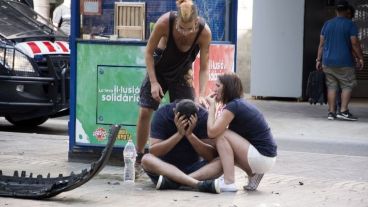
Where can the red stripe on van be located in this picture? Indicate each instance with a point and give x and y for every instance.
(49, 46)
(34, 47)
(62, 46)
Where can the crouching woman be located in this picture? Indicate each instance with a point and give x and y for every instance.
(243, 137)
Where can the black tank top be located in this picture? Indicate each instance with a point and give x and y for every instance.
(171, 64)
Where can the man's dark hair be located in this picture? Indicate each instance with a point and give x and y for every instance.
(186, 107)
(232, 87)
(342, 5)
(352, 10)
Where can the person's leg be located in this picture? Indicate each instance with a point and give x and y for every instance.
(244, 158)
(143, 127)
(348, 82)
(207, 174)
(147, 106)
(155, 165)
(332, 86)
(209, 171)
(142, 130)
(331, 100)
(227, 158)
(259, 164)
(233, 150)
(338, 100)
(345, 99)
(345, 114)
(240, 148)
(170, 176)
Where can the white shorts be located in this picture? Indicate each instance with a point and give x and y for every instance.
(258, 162)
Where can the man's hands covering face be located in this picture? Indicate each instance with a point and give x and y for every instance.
(185, 126)
(180, 122)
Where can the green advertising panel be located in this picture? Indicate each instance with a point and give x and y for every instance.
(108, 82)
(118, 89)
(108, 85)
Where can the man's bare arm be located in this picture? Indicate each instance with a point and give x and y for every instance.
(207, 151)
(203, 149)
(357, 50)
(161, 147)
(204, 45)
(319, 53)
(158, 32)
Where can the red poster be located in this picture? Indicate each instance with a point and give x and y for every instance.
(221, 60)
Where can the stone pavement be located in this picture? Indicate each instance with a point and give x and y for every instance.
(320, 163)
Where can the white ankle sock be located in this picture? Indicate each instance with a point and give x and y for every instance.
(227, 187)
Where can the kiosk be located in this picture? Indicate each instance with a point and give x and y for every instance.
(107, 43)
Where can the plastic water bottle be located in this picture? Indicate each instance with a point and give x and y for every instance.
(129, 160)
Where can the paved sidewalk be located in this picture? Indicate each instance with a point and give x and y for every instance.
(301, 124)
(303, 176)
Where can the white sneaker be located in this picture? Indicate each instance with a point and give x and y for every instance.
(221, 178)
(227, 187)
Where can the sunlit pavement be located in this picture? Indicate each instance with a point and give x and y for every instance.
(320, 163)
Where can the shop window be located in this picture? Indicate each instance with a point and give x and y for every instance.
(107, 25)
(361, 20)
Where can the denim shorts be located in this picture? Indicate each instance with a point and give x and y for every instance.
(186, 169)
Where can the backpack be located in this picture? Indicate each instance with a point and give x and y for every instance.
(316, 88)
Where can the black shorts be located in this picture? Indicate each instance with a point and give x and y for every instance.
(178, 90)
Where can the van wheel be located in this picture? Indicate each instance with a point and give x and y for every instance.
(27, 122)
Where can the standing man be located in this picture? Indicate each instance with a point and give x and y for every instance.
(337, 40)
(171, 49)
(350, 14)
(61, 17)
